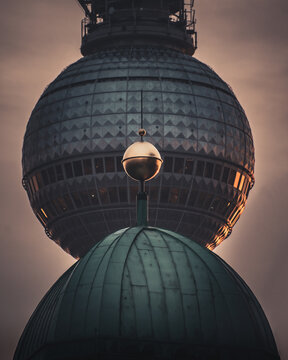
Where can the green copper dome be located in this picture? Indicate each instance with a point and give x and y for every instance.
(148, 293)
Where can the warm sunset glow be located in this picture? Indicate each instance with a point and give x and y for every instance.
(44, 213)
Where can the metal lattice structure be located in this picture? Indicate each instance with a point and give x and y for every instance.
(87, 117)
(114, 23)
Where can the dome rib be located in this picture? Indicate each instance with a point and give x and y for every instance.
(150, 291)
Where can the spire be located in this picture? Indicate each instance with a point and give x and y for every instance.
(119, 23)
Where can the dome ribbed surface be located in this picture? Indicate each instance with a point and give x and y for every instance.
(148, 293)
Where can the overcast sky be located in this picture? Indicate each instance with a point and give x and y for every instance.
(245, 42)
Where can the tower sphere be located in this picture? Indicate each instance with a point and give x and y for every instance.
(137, 66)
(86, 118)
(147, 293)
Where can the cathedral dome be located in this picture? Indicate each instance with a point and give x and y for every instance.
(88, 116)
(145, 293)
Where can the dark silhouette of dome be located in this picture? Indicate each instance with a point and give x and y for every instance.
(86, 118)
(148, 293)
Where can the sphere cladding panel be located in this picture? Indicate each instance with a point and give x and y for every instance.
(94, 108)
(148, 287)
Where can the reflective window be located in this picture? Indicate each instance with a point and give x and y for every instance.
(119, 164)
(51, 174)
(217, 172)
(43, 213)
(236, 180)
(179, 165)
(168, 162)
(99, 168)
(241, 182)
(225, 174)
(39, 180)
(109, 164)
(31, 186)
(45, 177)
(209, 170)
(87, 167)
(223, 205)
(59, 172)
(77, 167)
(189, 164)
(200, 168)
(35, 183)
(232, 176)
(68, 170)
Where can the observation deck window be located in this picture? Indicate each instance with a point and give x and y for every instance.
(109, 164)
(119, 164)
(77, 167)
(225, 174)
(189, 165)
(178, 165)
(87, 166)
(99, 167)
(59, 172)
(68, 170)
(241, 182)
(39, 180)
(232, 176)
(209, 170)
(35, 183)
(168, 163)
(200, 168)
(51, 174)
(45, 177)
(217, 172)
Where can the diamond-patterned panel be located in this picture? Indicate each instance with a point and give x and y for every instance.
(93, 109)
